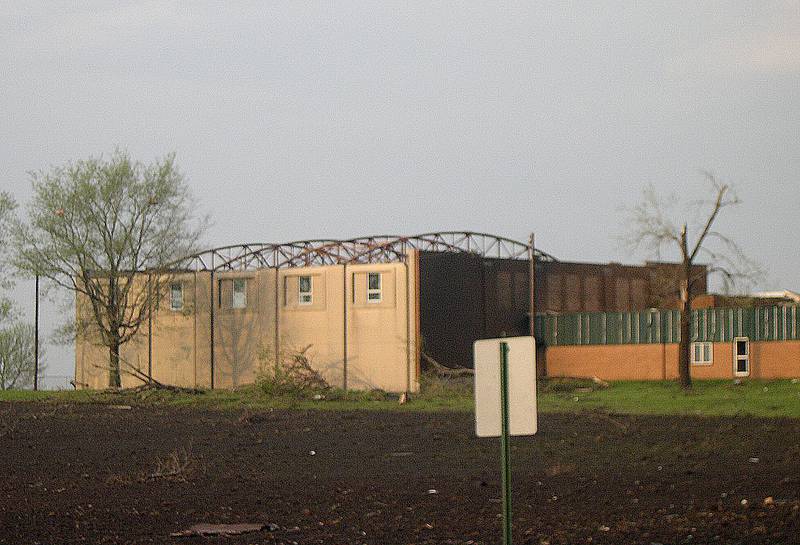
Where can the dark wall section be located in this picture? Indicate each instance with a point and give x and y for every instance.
(465, 297)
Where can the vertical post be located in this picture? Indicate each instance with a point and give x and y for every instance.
(36, 339)
(344, 330)
(504, 444)
(532, 285)
(211, 323)
(150, 328)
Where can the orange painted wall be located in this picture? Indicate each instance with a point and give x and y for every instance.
(768, 360)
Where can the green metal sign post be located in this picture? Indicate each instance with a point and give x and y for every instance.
(505, 455)
(505, 401)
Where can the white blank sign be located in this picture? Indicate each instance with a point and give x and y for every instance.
(521, 386)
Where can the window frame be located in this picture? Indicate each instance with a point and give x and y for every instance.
(741, 357)
(702, 345)
(243, 282)
(301, 293)
(172, 299)
(375, 291)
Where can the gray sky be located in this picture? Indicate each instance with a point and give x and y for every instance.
(313, 120)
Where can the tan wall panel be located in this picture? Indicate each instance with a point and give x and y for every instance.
(381, 336)
(319, 326)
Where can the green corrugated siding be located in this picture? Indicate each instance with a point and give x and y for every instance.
(775, 323)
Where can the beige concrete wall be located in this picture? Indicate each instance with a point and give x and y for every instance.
(768, 360)
(349, 340)
(318, 326)
(382, 339)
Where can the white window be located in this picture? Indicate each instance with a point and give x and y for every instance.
(304, 287)
(176, 296)
(239, 293)
(374, 288)
(741, 356)
(702, 353)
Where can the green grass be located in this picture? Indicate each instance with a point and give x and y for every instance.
(778, 398)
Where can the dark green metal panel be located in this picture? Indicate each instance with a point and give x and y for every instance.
(774, 323)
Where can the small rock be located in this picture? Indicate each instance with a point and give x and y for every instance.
(769, 500)
(744, 502)
(753, 460)
(312, 452)
(604, 528)
(318, 397)
(433, 491)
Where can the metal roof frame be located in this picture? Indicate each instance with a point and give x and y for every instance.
(369, 249)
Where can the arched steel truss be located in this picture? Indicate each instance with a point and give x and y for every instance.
(372, 249)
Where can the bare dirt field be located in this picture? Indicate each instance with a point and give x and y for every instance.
(98, 474)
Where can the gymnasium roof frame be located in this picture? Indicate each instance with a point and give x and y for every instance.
(370, 249)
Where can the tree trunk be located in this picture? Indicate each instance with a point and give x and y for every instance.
(114, 378)
(684, 346)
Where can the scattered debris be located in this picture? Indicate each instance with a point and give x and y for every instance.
(754, 460)
(600, 382)
(222, 529)
(318, 397)
(401, 454)
(403, 399)
(120, 407)
(769, 500)
(737, 382)
(433, 491)
(796, 381)
(179, 465)
(604, 528)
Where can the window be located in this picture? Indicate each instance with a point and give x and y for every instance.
(374, 288)
(702, 353)
(304, 296)
(741, 357)
(239, 293)
(176, 296)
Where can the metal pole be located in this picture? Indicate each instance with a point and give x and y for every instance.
(344, 330)
(36, 339)
(211, 316)
(504, 445)
(150, 328)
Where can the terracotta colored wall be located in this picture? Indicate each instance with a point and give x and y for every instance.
(768, 360)
(381, 337)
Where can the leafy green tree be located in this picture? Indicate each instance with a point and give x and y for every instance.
(7, 206)
(17, 356)
(93, 226)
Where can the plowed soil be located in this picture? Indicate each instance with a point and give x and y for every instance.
(99, 474)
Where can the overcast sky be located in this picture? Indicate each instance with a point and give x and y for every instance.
(295, 120)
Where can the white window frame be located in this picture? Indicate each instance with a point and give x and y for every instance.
(375, 291)
(702, 345)
(743, 357)
(172, 299)
(309, 294)
(243, 293)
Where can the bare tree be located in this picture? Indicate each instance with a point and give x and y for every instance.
(652, 227)
(93, 226)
